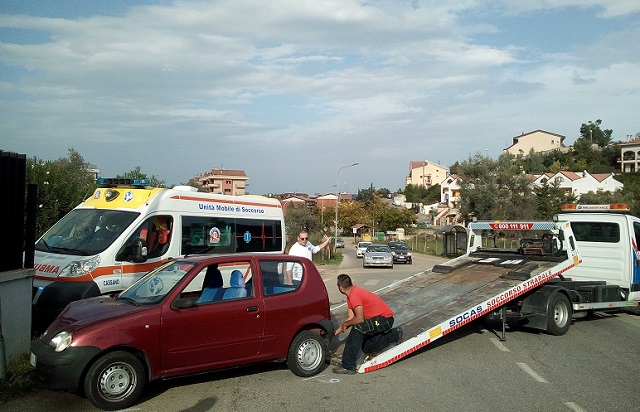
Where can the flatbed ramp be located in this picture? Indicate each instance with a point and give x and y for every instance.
(432, 304)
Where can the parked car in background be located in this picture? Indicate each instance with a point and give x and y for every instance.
(401, 252)
(338, 241)
(360, 248)
(377, 255)
(190, 315)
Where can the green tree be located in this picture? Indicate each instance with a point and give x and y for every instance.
(492, 190)
(392, 218)
(594, 134)
(549, 198)
(350, 213)
(61, 184)
(136, 173)
(420, 194)
(366, 196)
(300, 218)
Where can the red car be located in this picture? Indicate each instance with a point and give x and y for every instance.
(188, 316)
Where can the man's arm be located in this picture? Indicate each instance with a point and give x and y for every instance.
(354, 317)
(325, 241)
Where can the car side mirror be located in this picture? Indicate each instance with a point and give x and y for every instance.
(183, 303)
(139, 251)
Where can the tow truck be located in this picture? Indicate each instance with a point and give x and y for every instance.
(586, 259)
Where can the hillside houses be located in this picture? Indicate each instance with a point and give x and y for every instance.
(576, 183)
(579, 183)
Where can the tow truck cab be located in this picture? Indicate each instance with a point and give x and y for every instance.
(607, 236)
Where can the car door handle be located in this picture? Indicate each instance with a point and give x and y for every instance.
(252, 309)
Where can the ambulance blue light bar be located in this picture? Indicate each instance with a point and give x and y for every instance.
(117, 181)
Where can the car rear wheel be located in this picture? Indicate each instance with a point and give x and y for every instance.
(307, 354)
(115, 381)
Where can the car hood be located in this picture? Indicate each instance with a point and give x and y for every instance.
(86, 312)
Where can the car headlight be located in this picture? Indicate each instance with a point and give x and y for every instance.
(394, 254)
(408, 253)
(80, 267)
(61, 341)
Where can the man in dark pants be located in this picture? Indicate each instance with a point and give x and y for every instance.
(371, 321)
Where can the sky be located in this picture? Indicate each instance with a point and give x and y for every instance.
(293, 92)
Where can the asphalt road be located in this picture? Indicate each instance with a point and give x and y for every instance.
(594, 367)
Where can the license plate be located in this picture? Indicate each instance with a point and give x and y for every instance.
(32, 359)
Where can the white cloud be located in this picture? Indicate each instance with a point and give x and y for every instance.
(257, 85)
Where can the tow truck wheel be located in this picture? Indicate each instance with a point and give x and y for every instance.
(559, 315)
(307, 354)
(115, 381)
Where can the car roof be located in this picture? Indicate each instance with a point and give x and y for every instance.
(234, 256)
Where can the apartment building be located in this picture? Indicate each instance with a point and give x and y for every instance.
(536, 141)
(426, 173)
(223, 181)
(630, 155)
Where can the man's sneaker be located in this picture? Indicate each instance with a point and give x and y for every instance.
(343, 371)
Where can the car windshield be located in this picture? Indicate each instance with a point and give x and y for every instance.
(155, 285)
(85, 232)
(378, 249)
(398, 246)
(363, 244)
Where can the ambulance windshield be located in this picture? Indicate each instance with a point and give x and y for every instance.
(85, 232)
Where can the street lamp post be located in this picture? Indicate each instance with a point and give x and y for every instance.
(338, 193)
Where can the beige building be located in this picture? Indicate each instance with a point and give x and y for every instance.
(425, 173)
(630, 155)
(223, 181)
(536, 141)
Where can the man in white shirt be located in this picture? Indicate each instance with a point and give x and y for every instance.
(302, 248)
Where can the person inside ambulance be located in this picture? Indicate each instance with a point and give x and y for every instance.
(159, 235)
(107, 229)
(150, 240)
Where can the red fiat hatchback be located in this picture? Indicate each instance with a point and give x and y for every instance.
(188, 316)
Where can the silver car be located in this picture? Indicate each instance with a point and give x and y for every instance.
(378, 255)
(360, 248)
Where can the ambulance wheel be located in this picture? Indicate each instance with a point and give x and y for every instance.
(559, 315)
(115, 381)
(307, 354)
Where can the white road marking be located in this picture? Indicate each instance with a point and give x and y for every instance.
(499, 344)
(531, 372)
(317, 378)
(575, 407)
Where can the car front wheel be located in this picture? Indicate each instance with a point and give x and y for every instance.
(307, 354)
(115, 381)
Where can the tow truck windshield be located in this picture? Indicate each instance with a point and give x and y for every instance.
(85, 232)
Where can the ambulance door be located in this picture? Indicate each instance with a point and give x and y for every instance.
(155, 236)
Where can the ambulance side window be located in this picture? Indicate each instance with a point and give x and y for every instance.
(159, 235)
(155, 232)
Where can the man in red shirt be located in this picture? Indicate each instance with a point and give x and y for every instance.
(372, 322)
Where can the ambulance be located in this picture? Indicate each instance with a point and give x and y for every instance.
(126, 228)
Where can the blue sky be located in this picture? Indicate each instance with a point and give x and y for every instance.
(292, 90)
